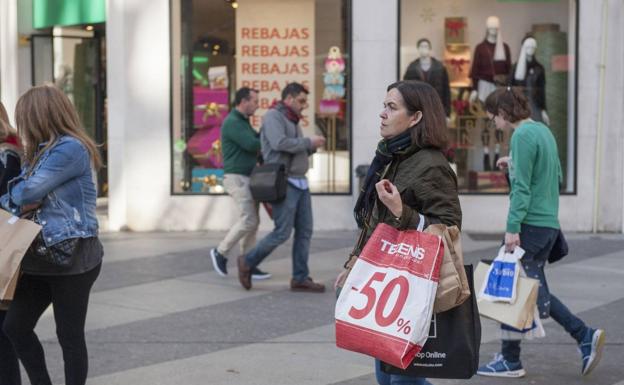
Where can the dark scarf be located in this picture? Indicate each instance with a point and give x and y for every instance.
(386, 150)
(287, 111)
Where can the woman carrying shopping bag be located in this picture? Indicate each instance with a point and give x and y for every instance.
(409, 179)
(9, 169)
(57, 189)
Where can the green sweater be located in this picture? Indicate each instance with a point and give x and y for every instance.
(535, 174)
(240, 144)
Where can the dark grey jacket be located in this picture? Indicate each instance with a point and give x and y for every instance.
(283, 142)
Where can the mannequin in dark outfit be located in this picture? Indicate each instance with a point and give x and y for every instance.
(432, 71)
(490, 68)
(529, 74)
(492, 61)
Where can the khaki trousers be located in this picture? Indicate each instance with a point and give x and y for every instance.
(244, 230)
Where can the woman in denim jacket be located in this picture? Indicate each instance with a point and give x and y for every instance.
(57, 189)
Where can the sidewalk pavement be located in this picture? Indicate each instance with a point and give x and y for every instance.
(159, 314)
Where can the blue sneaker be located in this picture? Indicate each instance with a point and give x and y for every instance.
(591, 349)
(500, 367)
(219, 262)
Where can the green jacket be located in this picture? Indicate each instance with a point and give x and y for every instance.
(535, 174)
(428, 186)
(240, 144)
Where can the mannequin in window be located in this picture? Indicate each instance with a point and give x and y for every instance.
(529, 74)
(492, 62)
(428, 69)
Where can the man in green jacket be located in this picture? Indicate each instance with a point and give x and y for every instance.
(240, 144)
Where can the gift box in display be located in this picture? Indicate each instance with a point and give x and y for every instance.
(457, 63)
(455, 30)
(487, 181)
(210, 106)
(207, 180)
(205, 147)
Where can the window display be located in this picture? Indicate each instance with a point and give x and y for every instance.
(219, 46)
(485, 45)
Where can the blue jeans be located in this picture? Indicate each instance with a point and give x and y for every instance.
(537, 243)
(396, 379)
(295, 211)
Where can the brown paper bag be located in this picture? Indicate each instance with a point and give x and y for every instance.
(453, 288)
(16, 235)
(517, 315)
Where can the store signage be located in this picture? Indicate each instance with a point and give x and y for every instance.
(50, 13)
(275, 46)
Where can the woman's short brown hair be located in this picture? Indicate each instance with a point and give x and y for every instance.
(420, 96)
(510, 103)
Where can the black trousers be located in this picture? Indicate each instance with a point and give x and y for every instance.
(9, 366)
(69, 296)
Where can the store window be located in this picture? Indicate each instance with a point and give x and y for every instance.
(467, 49)
(219, 46)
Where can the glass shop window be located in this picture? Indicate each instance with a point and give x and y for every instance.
(467, 49)
(219, 46)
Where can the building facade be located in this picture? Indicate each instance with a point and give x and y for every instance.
(163, 73)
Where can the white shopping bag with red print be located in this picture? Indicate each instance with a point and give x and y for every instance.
(385, 306)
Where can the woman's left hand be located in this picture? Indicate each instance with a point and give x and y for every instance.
(389, 195)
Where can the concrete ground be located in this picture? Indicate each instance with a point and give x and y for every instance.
(159, 314)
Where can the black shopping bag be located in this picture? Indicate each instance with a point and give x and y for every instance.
(452, 349)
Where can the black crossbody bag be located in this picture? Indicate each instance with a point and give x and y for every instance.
(268, 182)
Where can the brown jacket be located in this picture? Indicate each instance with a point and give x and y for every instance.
(427, 185)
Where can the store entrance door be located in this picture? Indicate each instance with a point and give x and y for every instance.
(77, 65)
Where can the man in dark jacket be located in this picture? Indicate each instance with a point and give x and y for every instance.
(283, 142)
(429, 70)
(241, 146)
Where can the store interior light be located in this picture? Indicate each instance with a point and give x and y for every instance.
(234, 4)
(89, 28)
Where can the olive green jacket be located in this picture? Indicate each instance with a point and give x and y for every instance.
(427, 185)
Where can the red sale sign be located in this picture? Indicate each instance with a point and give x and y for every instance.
(385, 307)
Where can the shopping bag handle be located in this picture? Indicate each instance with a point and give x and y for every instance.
(421, 222)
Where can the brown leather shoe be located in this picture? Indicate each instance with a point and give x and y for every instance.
(307, 285)
(244, 273)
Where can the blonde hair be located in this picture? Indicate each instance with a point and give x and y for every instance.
(44, 114)
(5, 128)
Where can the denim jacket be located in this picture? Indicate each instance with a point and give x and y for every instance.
(62, 182)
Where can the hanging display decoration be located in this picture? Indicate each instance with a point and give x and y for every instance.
(334, 81)
(455, 30)
(427, 15)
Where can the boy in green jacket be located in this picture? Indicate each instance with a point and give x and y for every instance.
(533, 224)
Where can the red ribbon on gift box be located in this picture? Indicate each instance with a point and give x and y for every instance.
(458, 64)
(454, 26)
(460, 106)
